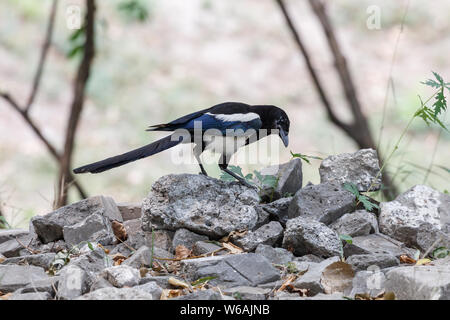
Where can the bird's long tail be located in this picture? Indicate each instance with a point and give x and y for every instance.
(133, 155)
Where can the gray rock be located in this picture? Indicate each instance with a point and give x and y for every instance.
(289, 176)
(50, 227)
(402, 218)
(11, 234)
(363, 261)
(376, 243)
(201, 295)
(200, 204)
(232, 270)
(324, 202)
(311, 279)
(205, 247)
(268, 234)
(117, 294)
(94, 228)
(141, 258)
(370, 282)
(13, 277)
(360, 168)
(420, 282)
(161, 239)
(247, 293)
(430, 238)
(295, 296)
(276, 210)
(130, 210)
(73, 282)
(43, 260)
(151, 288)
(161, 281)
(309, 258)
(186, 238)
(47, 285)
(13, 247)
(99, 283)
(136, 236)
(358, 223)
(275, 255)
(306, 235)
(31, 296)
(122, 276)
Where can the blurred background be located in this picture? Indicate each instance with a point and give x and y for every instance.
(158, 60)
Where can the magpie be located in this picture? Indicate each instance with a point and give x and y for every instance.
(222, 128)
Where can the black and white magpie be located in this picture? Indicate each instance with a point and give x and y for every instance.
(222, 128)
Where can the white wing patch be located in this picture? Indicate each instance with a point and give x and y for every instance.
(242, 117)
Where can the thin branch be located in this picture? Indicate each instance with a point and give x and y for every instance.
(78, 102)
(42, 59)
(312, 72)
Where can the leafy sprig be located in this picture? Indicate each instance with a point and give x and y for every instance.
(369, 206)
(304, 157)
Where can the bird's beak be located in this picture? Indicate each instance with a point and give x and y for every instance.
(283, 137)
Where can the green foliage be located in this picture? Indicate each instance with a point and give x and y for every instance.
(440, 253)
(76, 40)
(4, 224)
(262, 181)
(369, 206)
(431, 114)
(203, 280)
(304, 157)
(134, 10)
(291, 267)
(346, 238)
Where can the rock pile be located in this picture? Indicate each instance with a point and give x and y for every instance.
(195, 237)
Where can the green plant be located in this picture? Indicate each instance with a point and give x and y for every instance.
(261, 181)
(428, 113)
(134, 10)
(440, 253)
(369, 206)
(4, 224)
(304, 157)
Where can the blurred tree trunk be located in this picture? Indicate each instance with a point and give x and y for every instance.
(24, 110)
(358, 130)
(65, 177)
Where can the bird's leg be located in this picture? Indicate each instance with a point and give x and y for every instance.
(223, 165)
(197, 152)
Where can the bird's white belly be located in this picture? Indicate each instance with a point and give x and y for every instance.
(223, 144)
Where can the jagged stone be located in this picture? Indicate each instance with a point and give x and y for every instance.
(186, 238)
(268, 234)
(402, 218)
(376, 243)
(200, 204)
(290, 178)
(130, 210)
(276, 210)
(364, 261)
(324, 202)
(117, 294)
(358, 223)
(50, 227)
(275, 255)
(122, 276)
(13, 277)
(360, 168)
(308, 236)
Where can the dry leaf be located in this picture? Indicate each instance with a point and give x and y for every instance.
(337, 277)
(421, 262)
(181, 252)
(6, 296)
(232, 248)
(171, 293)
(287, 282)
(143, 271)
(2, 258)
(178, 283)
(406, 259)
(119, 231)
(382, 296)
(233, 235)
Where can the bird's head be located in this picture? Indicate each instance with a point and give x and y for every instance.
(275, 120)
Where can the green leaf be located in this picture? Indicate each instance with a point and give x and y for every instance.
(440, 253)
(134, 10)
(90, 246)
(439, 78)
(351, 188)
(203, 280)
(304, 157)
(346, 238)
